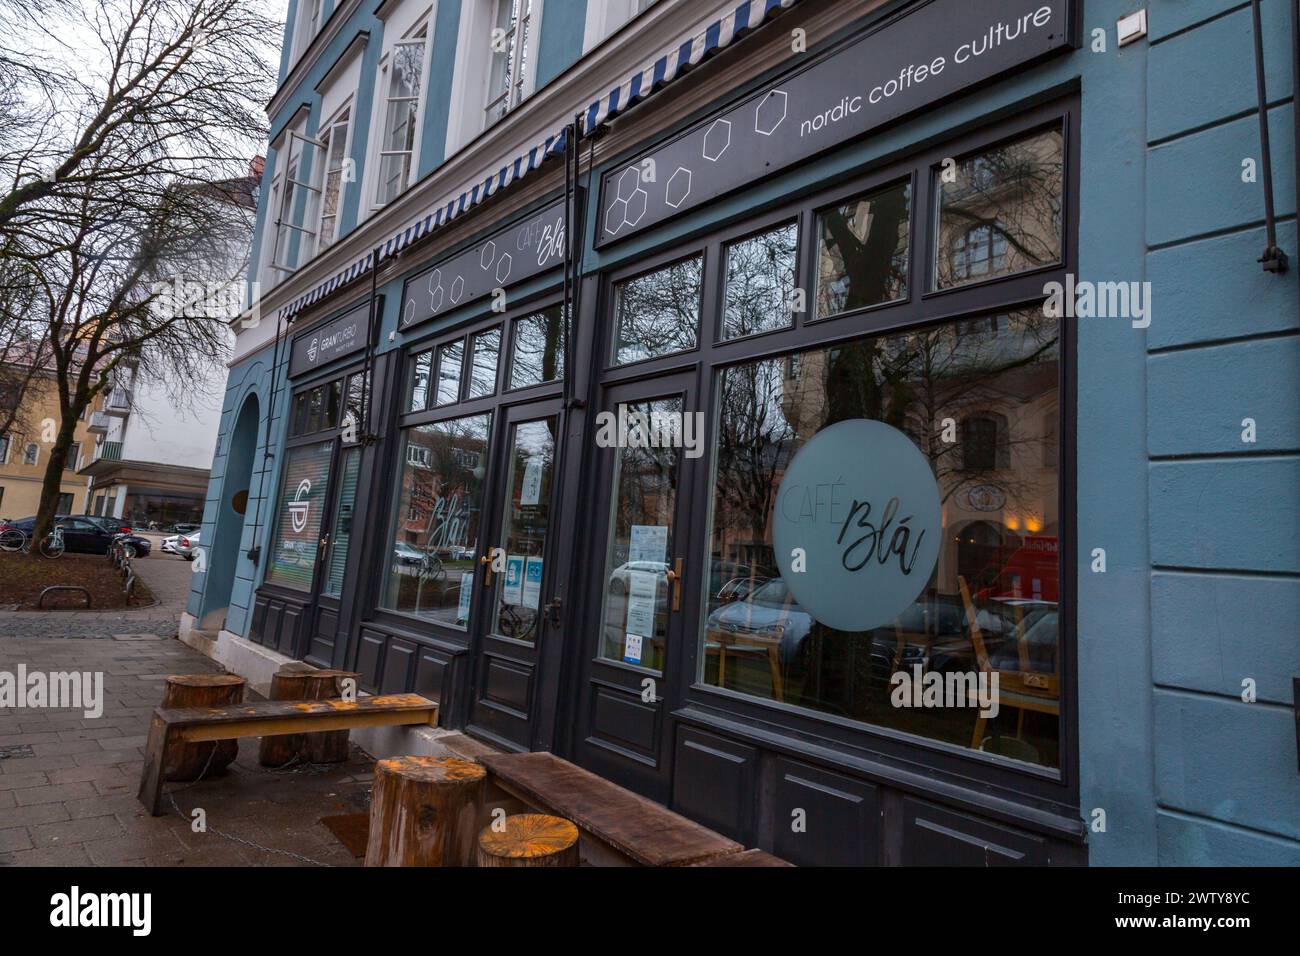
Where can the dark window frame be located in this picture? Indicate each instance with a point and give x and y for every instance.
(847, 742)
(406, 626)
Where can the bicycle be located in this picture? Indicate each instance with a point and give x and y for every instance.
(15, 539)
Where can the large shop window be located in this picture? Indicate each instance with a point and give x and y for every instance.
(430, 567)
(989, 608)
(298, 524)
(1000, 211)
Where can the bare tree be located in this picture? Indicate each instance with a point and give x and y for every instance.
(138, 177)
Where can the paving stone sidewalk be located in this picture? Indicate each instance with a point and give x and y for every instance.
(68, 782)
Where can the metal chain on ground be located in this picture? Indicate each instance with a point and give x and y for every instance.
(171, 796)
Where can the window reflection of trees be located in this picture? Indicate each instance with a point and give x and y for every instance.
(862, 255)
(760, 283)
(658, 313)
(437, 516)
(538, 351)
(1002, 214)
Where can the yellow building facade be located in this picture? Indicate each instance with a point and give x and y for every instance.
(24, 454)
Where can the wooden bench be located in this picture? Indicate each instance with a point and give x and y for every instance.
(750, 858)
(636, 829)
(269, 718)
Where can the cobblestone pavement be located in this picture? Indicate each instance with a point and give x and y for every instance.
(68, 782)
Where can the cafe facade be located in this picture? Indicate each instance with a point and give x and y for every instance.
(831, 428)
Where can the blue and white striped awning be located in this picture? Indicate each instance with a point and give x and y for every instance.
(673, 63)
(666, 68)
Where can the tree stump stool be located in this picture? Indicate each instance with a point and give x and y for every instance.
(423, 811)
(529, 839)
(209, 758)
(298, 681)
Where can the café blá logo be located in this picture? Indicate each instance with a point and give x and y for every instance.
(860, 503)
(300, 506)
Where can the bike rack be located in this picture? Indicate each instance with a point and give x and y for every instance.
(40, 601)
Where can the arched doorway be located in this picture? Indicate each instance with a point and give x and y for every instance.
(223, 551)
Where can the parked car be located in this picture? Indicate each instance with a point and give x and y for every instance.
(186, 545)
(108, 523)
(183, 528)
(768, 614)
(80, 535)
(622, 575)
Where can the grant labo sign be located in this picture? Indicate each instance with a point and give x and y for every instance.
(857, 525)
(508, 256)
(325, 343)
(939, 49)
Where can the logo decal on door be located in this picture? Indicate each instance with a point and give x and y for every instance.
(300, 506)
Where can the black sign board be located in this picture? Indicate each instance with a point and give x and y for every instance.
(938, 49)
(510, 255)
(325, 343)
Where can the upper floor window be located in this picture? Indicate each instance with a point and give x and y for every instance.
(310, 16)
(508, 79)
(405, 70)
(293, 202)
(334, 150)
(31, 453)
(4, 449)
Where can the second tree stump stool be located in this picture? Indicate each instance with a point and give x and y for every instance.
(303, 682)
(423, 811)
(209, 758)
(529, 839)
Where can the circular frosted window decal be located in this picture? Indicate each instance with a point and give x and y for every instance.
(857, 525)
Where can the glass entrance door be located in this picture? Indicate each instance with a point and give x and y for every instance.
(336, 542)
(516, 588)
(637, 585)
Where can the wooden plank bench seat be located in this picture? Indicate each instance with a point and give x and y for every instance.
(269, 718)
(635, 828)
(749, 858)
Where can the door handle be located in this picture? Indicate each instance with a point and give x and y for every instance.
(553, 608)
(486, 560)
(675, 579)
(324, 547)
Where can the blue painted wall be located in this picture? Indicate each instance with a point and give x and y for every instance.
(1222, 347)
(251, 377)
(560, 45)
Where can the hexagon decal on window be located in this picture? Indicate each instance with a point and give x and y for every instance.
(717, 139)
(457, 288)
(629, 203)
(488, 254)
(770, 112)
(503, 268)
(628, 183)
(678, 187)
(616, 216)
(435, 290)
